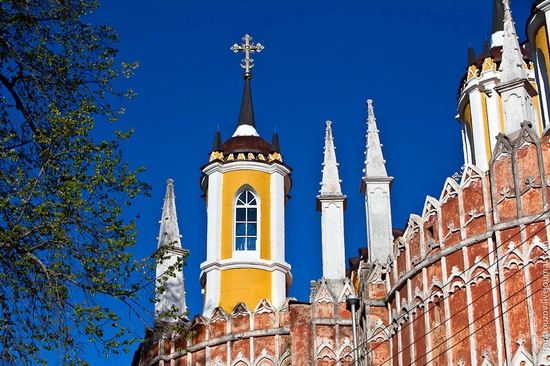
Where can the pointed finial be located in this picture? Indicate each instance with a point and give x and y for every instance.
(498, 16)
(248, 48)
(246, 125)
(217, 144)
(472, 59)
(498, 24)
(330, 184)
(169, 234)
(486, 50)
(512, 58)
(374, 162)
(246, 115)
(275, 147)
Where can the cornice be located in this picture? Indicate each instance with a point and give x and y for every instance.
(261, 264)
(270, 168)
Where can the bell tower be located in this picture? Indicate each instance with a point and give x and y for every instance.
(246, 186)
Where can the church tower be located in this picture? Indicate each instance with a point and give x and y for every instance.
(246, 186)
(497, 93)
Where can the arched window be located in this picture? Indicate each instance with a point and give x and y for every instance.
(246, 221)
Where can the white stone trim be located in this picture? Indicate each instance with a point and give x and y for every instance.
(277, 188)
(278, 288)
(332, 236)
(212, 295)
(544, 6)
(246, 254)
(245, 130)
(378, 219)
(214, 216)
(478, 130)
(493, 111)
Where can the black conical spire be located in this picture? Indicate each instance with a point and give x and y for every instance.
(246, 116)
(498, 16)
(275, 147)
(217, 145)
(486, 50)
(472, 59)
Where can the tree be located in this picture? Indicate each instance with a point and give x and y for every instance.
(63, 242)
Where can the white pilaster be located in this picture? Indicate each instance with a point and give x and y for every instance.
(478, 129)
(492, 104)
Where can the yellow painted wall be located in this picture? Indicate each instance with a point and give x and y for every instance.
(501, 113)
(244, 285)
(260, 182)
(541, 41)
(486, 126)
(467, 113)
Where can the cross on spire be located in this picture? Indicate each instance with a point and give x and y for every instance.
(248, 48)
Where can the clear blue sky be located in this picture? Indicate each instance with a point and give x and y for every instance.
(322, 60)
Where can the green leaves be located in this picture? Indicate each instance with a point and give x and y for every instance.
(63, 243)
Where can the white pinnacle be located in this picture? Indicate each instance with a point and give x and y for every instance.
(330, 184)
(512, 59)
(332, 203)
(170, 294)
(169, 234)
(515, 89)
(374, 160)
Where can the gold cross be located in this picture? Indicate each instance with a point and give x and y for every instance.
(247, 48)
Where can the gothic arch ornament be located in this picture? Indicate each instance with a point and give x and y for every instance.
(218, 362)
(456, 281)
(345, 350)
(240, 310)
(527, 136)
(323, 295)
(379, 332)
(264, 306)
(480, 270)
(513, 257)
(544, 355)
(265, 359)
(347, 290)
(503, 148)
(435, 290)
(326, 349)
(240, 360)
(418, 301)
(522, 356)
(470, 174)
(431, 207)
(286, 358)
(450, 190)
(486, 361)
(218, 315)
(531, 255)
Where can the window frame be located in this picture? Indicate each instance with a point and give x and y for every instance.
(256, 205)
